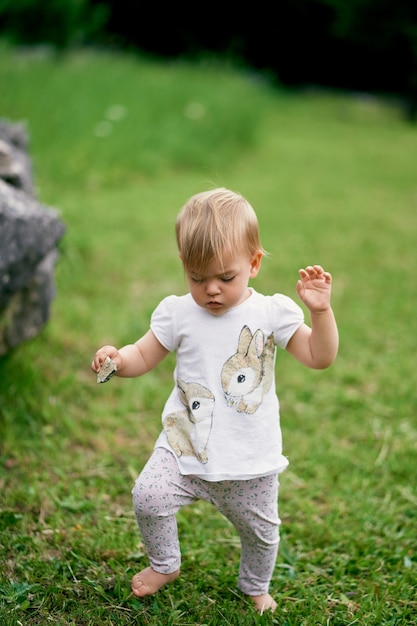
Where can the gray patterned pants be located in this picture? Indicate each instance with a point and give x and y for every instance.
(251, 505)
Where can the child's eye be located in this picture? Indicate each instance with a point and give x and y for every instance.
(197, 281)
(227, 279)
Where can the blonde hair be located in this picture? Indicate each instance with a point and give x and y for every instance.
(214, 222)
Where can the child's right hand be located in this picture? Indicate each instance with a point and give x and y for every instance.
(101, 355)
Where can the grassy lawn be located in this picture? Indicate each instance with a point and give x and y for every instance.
(118, 144)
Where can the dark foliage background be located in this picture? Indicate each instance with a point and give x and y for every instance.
(360, 44)
(367, 45)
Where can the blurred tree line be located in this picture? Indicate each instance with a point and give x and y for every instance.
(366, 45)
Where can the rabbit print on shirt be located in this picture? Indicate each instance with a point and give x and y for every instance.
(247, 375)
(188, 430)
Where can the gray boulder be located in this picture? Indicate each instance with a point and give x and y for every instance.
(15, 163)
(29, 236)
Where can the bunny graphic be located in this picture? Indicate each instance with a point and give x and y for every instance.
(188, 430)
(248, 373)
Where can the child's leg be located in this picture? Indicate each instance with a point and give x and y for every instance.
(157, 497)
(252, 507)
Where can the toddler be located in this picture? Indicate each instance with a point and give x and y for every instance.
(221, 437)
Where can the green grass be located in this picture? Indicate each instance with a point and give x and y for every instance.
(333, 179)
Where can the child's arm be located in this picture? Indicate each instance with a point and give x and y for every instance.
(315, 347)
(134, 359)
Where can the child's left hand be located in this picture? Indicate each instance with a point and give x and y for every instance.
(314, 288)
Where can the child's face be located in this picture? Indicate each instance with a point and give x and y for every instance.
(224, 285)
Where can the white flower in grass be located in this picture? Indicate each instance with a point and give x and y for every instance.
(116, 112)
(195, 110)
(103, 128)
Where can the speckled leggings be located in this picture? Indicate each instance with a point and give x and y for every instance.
(251, 505)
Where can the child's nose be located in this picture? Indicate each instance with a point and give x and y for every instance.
(213, 287)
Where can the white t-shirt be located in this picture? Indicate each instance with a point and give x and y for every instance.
(221, 419)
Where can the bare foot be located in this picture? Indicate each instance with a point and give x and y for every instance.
(148, 582)
(264, 603)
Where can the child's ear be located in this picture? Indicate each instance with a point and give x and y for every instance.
(255, 264)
